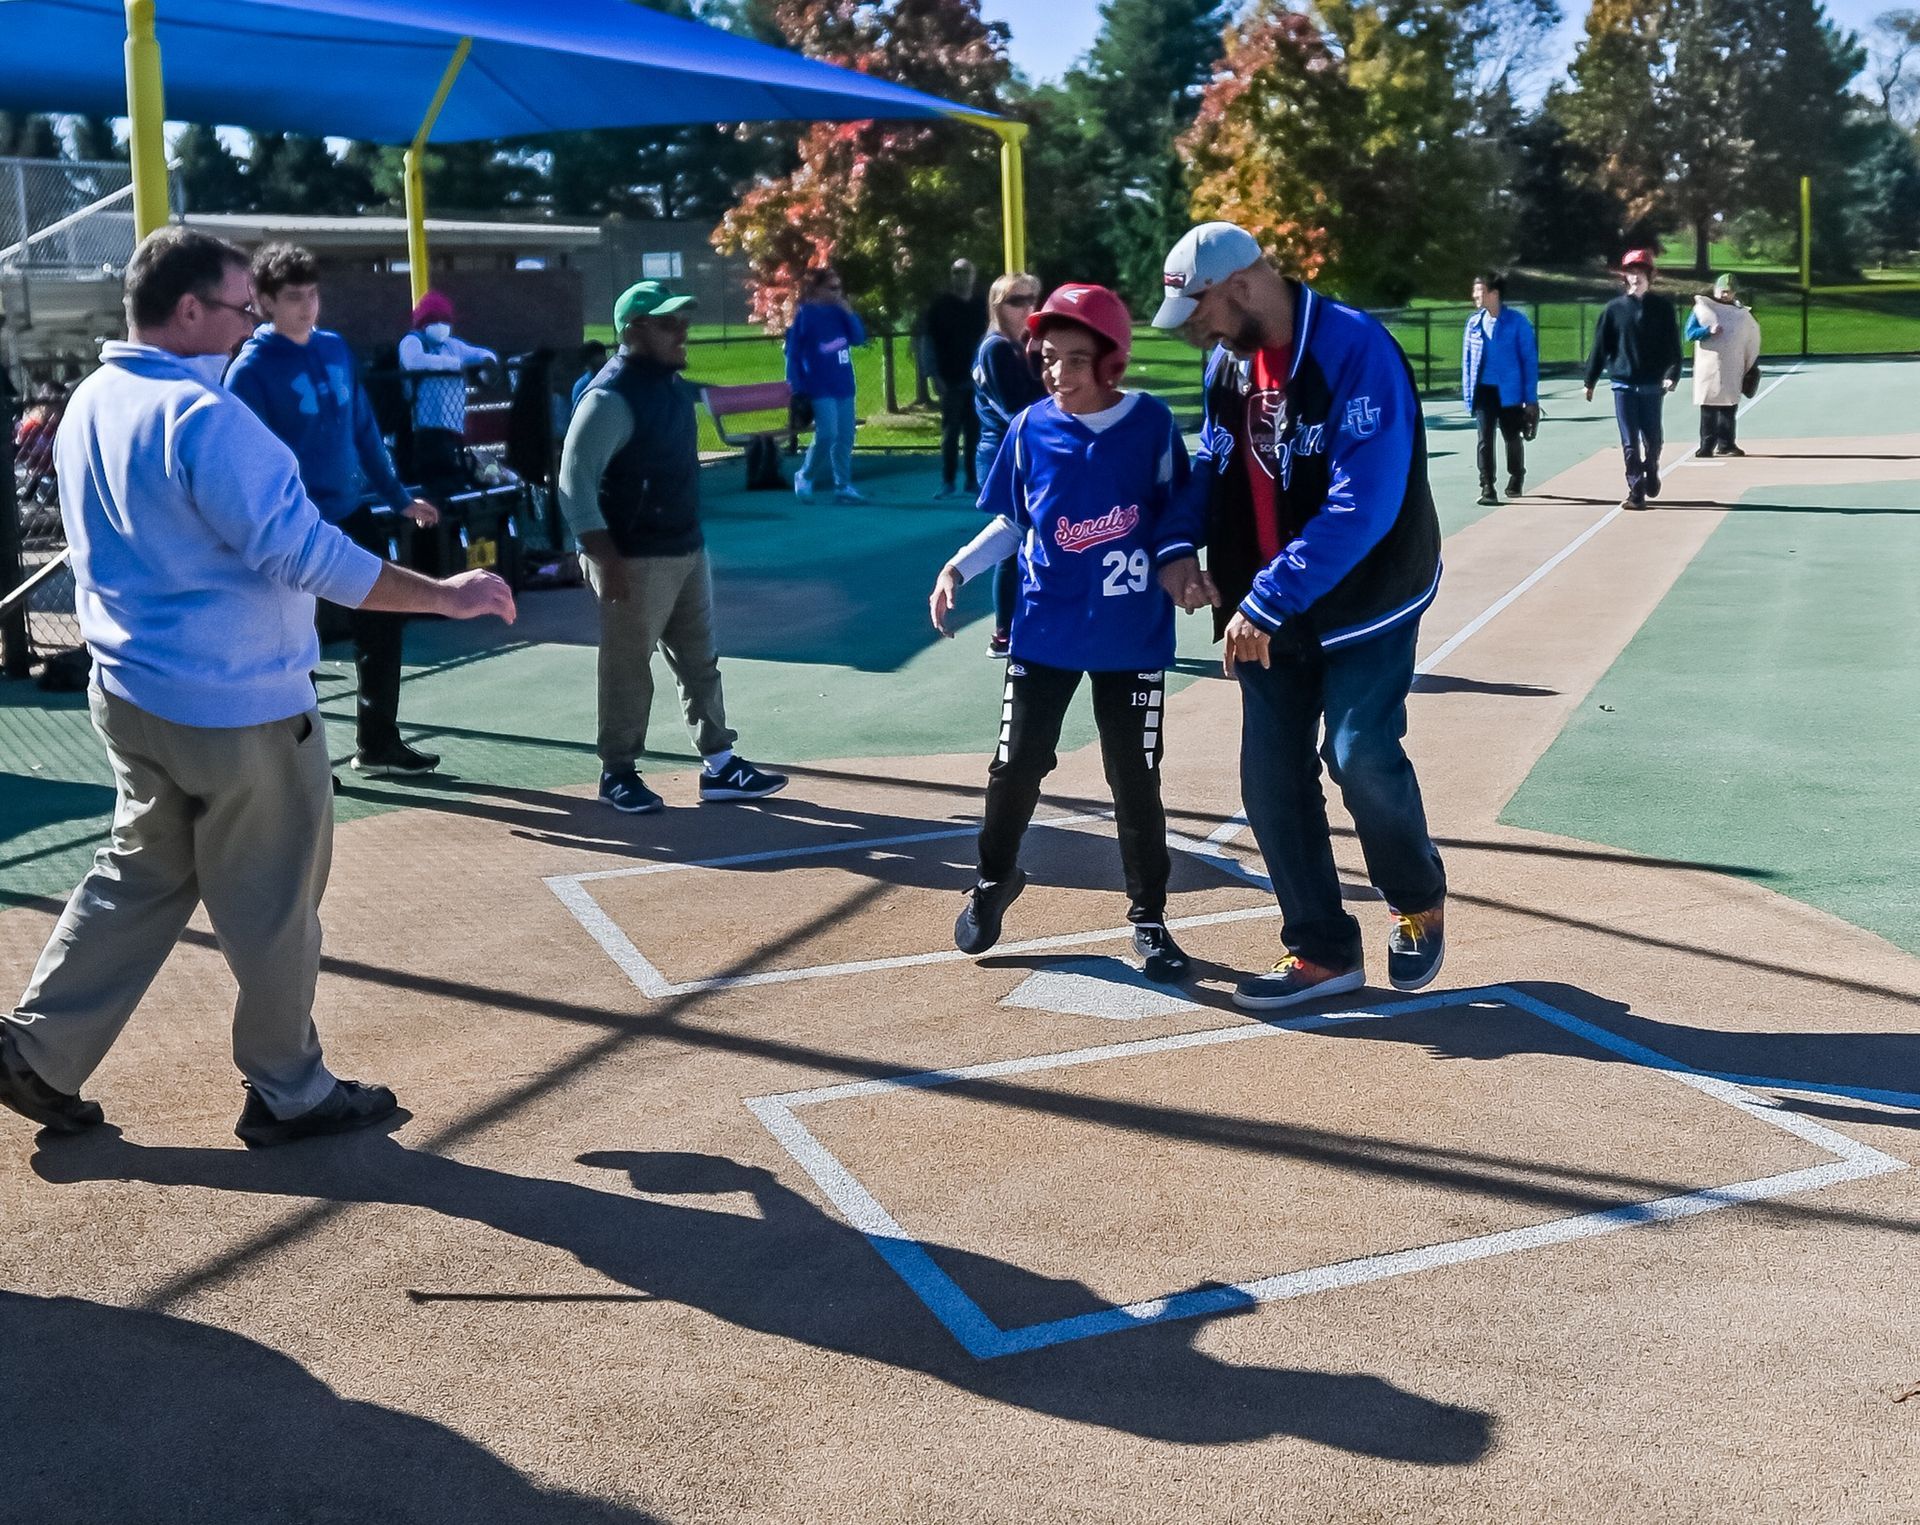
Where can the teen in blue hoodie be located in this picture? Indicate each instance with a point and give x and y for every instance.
(302, 381)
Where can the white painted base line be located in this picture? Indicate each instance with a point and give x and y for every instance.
(572, 892)
(984, 1339)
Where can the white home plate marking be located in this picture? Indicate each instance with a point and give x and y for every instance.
(1098, 987)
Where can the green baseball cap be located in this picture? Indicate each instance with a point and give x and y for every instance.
(648, 299)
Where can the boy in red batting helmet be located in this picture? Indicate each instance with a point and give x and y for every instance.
(1090, 490)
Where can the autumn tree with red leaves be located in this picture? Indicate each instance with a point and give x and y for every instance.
(890, 205)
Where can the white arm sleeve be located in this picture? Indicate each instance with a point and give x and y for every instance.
(993, 545)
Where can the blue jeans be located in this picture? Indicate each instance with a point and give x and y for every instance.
(1637, 411)
(1361, 691)
(830, 456)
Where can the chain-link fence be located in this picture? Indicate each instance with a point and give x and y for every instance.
(37, 620)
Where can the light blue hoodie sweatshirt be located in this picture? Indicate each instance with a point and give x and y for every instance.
(196, 555)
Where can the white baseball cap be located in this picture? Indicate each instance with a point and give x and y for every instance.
(1204, 257)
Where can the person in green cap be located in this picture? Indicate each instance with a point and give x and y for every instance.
(630, 492)
(1726, 348)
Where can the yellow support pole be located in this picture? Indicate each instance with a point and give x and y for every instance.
(1013, 185)
(412, 178)
(1806, 234)
(146, 121)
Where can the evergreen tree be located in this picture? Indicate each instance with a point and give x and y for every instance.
(93, 139)
(296, 174)
(28, 136)
(1886, 191)
(210, 178)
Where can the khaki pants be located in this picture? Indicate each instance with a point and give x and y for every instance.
(240, 819)
(669, 606)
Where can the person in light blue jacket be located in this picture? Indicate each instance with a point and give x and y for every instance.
(820, 347)
(197, 557)
(1500, 382)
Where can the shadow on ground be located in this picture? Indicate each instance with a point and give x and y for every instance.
(800, 1274)
(111, 1414)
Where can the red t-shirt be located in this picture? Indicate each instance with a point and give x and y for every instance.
(1260, 430)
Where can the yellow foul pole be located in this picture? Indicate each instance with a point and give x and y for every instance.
(146, 121)
(416, 190)
(1013, 185)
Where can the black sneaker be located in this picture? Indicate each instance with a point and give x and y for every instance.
(740, 780)
(625, 792)
(1705, 452)
(1653, 484)
(1000, 644)
(22, 1091)
(399, 758)
(349, 1105)
(1633, 500)
(1730, 450)
(977, 928)
(1516, 487)
(1161, 958)
(1415, 948)
(1294, 982)
(1488, 497)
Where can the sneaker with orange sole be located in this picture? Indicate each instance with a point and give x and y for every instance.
(1293, 982)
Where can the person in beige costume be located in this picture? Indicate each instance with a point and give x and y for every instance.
(1726, 345)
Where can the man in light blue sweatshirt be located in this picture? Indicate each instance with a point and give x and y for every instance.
(196, 560)
(302, 381)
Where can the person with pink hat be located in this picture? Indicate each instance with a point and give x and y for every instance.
(1637, 344)
(1090, 490)
(436, 364)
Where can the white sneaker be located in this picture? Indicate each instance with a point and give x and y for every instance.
(802, 488)
(849, 495)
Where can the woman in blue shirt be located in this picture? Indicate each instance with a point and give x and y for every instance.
(820, 347)
(1005, 380)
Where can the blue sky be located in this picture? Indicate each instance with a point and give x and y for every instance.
(1049, 35)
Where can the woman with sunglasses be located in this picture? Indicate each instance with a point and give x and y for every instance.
(1005, 380)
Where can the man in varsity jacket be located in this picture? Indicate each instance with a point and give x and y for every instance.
(1323, 550)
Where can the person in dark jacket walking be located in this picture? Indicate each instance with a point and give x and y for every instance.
(630, 491)
(302, 381)
(952, 327)
(1323, 551)
(1636, 344)
(1005, 380)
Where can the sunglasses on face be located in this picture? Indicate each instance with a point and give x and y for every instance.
(1021, 299)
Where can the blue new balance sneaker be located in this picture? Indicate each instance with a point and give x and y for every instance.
(740, 780)
(625, 792)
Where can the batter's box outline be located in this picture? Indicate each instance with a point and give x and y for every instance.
(574, 893)
(985, 1339)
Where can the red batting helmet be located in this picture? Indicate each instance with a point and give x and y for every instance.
(1094, 308)
(1637, 259)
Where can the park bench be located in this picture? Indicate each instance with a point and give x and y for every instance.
(761, 445)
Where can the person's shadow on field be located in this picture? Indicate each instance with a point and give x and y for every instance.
(798, 1273)
(111, 1414)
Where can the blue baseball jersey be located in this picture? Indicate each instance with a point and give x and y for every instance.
(1098, 513)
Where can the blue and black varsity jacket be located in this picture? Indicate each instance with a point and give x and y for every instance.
(1360, 540)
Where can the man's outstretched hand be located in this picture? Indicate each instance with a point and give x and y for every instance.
(1189, 585)
(472, 595)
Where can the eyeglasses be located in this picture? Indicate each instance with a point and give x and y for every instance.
(245, 309)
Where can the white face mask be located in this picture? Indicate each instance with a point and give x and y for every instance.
(438, 332)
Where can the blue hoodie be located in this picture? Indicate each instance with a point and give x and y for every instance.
(196, 556)
(820, 349)
(310, 396)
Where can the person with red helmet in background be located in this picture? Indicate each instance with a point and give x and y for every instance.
(1090, 490)
(1637, 343)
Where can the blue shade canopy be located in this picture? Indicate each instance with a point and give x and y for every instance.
(369, 68)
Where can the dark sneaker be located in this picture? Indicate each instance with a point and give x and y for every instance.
(1730, 450)
(977, 928)
(397, 759)
(1161, 958)
(1293, 982)
(1705, 452)
(1000, 644)
(1488, 497)
(1653, 484)
(348, 1106)
(740, 780)
(625, 792)
(1516, 487)
(1415, 948)
(1633, 500)
(22, 1091)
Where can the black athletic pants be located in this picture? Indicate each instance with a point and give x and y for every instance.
(959, 433)
(376, 650)
(1126, 707)
(1716, 427)
(1489, 415)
